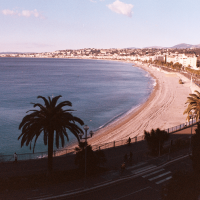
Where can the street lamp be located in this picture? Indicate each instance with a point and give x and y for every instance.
(86, 127)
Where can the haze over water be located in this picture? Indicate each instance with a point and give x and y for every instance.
(100, 91)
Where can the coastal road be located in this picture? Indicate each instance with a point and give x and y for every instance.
(145, 186)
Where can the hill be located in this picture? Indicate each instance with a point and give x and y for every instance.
(184, 46)
(178, 46)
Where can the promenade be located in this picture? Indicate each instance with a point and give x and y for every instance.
(115, 157)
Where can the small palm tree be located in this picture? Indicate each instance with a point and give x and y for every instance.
(49, 119)
(193, 105)
(155, 140)
(94, 159)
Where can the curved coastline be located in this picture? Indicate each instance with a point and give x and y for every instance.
(163, 109)
(101, 134)
(116, 125)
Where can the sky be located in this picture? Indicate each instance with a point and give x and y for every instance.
(50, 25)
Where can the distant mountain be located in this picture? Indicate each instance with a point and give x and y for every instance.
(184, 46)
(178, 46)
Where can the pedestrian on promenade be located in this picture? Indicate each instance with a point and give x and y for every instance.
(15, 157)
(129, 141)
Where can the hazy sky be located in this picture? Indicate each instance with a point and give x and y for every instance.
(49, 25)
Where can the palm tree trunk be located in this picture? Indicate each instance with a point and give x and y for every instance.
(50, 151)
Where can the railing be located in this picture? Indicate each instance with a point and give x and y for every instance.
(117, 143)
(182, 126)
(40, 155)
(26, 156)
(171, 149)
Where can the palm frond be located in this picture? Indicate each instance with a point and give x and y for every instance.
(62, 104)
(40, 106)
(54, 100)
(197, 93)
(193, 102)
(45, 101)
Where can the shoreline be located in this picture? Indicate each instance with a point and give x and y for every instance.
(132, 113)
(115, 125)
(125, 118)
(136, 108)
(163, 108)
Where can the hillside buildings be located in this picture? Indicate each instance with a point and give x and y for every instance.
(186, 57)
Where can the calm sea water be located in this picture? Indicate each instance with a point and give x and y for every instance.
(100, 91)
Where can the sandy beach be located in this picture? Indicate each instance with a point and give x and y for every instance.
(163, 109)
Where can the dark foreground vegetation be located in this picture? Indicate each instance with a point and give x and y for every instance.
(94, 159)
(155, 140)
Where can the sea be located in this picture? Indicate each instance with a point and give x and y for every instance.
(101, 92)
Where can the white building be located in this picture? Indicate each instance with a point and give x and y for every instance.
(183, 59)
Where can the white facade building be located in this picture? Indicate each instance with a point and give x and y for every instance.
(183, 59)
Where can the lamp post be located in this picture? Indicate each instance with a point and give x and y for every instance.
(86, 127)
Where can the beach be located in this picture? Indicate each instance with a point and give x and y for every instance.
(163, 109)
(99, 91)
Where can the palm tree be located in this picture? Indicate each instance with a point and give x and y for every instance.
(155, 140)
(193, 105)
(49, 119)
